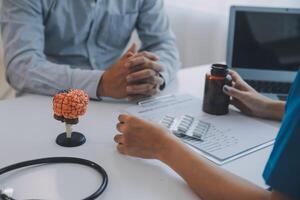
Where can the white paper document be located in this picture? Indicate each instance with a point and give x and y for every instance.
(219, 138)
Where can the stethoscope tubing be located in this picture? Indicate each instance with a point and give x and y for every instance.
(60, 160)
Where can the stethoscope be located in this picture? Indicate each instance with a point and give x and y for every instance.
(59, 160)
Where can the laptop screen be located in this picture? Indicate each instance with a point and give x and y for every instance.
(266, 40)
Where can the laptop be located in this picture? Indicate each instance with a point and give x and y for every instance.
(264, 47)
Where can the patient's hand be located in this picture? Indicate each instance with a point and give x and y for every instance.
(252, 103)
(141, 139)
(144, 79)
(113, 82)
(134, 76)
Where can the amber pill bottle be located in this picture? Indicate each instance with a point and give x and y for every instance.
(216, 102)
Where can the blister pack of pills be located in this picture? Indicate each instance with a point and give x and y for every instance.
(186, 126)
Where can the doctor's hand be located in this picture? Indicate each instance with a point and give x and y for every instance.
(144, 79)
(252, 103)
(142, 139)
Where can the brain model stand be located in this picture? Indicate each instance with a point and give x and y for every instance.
(68, 106)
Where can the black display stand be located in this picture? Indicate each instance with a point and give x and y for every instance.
(76, 140)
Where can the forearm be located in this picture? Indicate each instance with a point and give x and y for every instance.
(27, 66)
(47, 78)
(208, 181)
(276, 109)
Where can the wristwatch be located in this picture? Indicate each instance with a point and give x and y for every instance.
(162, 87)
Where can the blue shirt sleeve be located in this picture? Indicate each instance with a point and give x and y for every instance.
(27, 67)
(153, 28)
(282, 171)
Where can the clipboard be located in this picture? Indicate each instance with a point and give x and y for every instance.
(228, 137)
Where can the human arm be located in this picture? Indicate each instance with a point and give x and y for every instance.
(251, 102)
(153, 28)
(119, 81)
(148, 69)
(146, 140)
(156, 64)
(27, 67)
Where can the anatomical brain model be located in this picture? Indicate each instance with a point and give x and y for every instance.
(68, 106)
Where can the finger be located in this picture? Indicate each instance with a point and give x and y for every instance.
(140, 89)
(132, 123)
(122, 127)
(140, 75)
(150, 55)
(137, 97)
(156, 80)
(150, 65)
(123, 118)
(119, 139)
(154, 91)
(235, 76)
(128, 55)
(141, 62)
(239, 81)
(233, 92)
(151, 80)
(122, 149)
(147, 54)
(132, 49)
(127, 120)
(135, 61)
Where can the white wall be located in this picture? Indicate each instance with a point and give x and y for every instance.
(201, 26)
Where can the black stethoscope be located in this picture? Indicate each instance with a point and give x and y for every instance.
(60, 160)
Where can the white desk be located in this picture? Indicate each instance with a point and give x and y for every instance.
(28, 131)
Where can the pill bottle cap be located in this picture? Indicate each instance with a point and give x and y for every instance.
(219, 70)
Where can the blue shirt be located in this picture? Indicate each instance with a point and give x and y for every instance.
(282, 172)
(59, 44)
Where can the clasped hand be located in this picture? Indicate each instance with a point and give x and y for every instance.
(134, 76)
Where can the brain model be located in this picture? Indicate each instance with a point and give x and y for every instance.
(69, 105)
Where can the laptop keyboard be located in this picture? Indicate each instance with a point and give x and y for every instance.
(270, 87)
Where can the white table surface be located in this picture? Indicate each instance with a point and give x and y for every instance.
(28, 131)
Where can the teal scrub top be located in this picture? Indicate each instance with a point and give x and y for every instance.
(282, 172)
